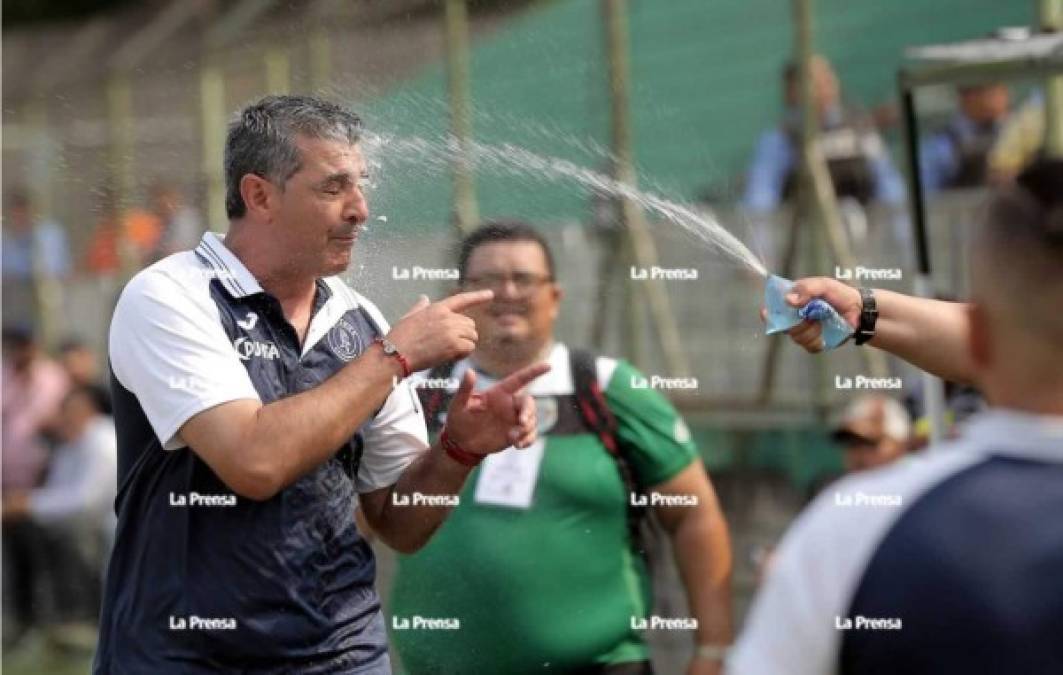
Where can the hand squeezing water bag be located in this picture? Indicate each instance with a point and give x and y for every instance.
(782, 317)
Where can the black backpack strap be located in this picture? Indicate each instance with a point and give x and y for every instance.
(435, 399)
(599, 419)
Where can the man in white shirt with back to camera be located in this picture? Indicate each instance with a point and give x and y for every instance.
(947, 563)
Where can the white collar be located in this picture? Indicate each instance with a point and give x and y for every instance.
(232, 273)
(1016, 433)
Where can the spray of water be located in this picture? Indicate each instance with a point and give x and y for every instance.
(510, 159)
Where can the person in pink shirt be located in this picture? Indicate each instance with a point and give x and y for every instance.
(33, 388)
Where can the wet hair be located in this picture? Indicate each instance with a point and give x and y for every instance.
(261, 140)
(496, 231)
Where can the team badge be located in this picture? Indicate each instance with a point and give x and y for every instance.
(345, 341)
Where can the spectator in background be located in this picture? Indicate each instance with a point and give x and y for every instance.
(71, 513)
(34, 249)
(858, 161)
(957, 155)
(559, 548)
(82, 366)
(961, 401)
(121, 238)
(1020, 142)
(80, 362)
(180, 225)
(33, 387)
(874, 431)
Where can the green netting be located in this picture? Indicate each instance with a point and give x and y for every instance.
(705, 82)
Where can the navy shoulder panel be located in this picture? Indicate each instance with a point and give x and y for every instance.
(974, 573)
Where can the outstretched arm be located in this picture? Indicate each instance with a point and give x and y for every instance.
(929, 334)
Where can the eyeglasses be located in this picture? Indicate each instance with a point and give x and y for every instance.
(523, 282)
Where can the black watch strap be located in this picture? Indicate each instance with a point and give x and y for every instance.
(865, 330)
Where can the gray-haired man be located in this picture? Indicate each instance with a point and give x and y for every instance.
(255, 408)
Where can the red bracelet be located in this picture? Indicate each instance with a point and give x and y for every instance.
(391, 350)
(455, 451)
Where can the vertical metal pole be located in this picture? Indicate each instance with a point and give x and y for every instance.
(641, 245)
(320, 52)
(120, 115)
(48, 290)
(120, 119)
(933, 387)
(457, 45)
(278, 70)
(808, 196)
(915, 185)
(1051, 12)
(212, 111)
(817, 196)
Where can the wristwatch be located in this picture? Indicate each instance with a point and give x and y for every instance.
(391, 350)
(865, 329)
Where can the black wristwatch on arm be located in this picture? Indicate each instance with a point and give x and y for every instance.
(865, 329)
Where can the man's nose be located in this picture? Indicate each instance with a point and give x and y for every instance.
(506, 289)
(357, 208)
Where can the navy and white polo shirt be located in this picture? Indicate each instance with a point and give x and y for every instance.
(200, 580)
(947, 563)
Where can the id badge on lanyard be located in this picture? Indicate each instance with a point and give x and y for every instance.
(508, 478)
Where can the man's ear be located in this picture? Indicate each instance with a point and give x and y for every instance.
(558, 294)
(258, 194)
(979, 339)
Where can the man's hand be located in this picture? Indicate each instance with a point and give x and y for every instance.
(434, 333)
(844, 298)
(495, 419)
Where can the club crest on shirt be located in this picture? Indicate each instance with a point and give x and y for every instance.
(345, 341)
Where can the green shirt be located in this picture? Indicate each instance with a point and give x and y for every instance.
(555, 585)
